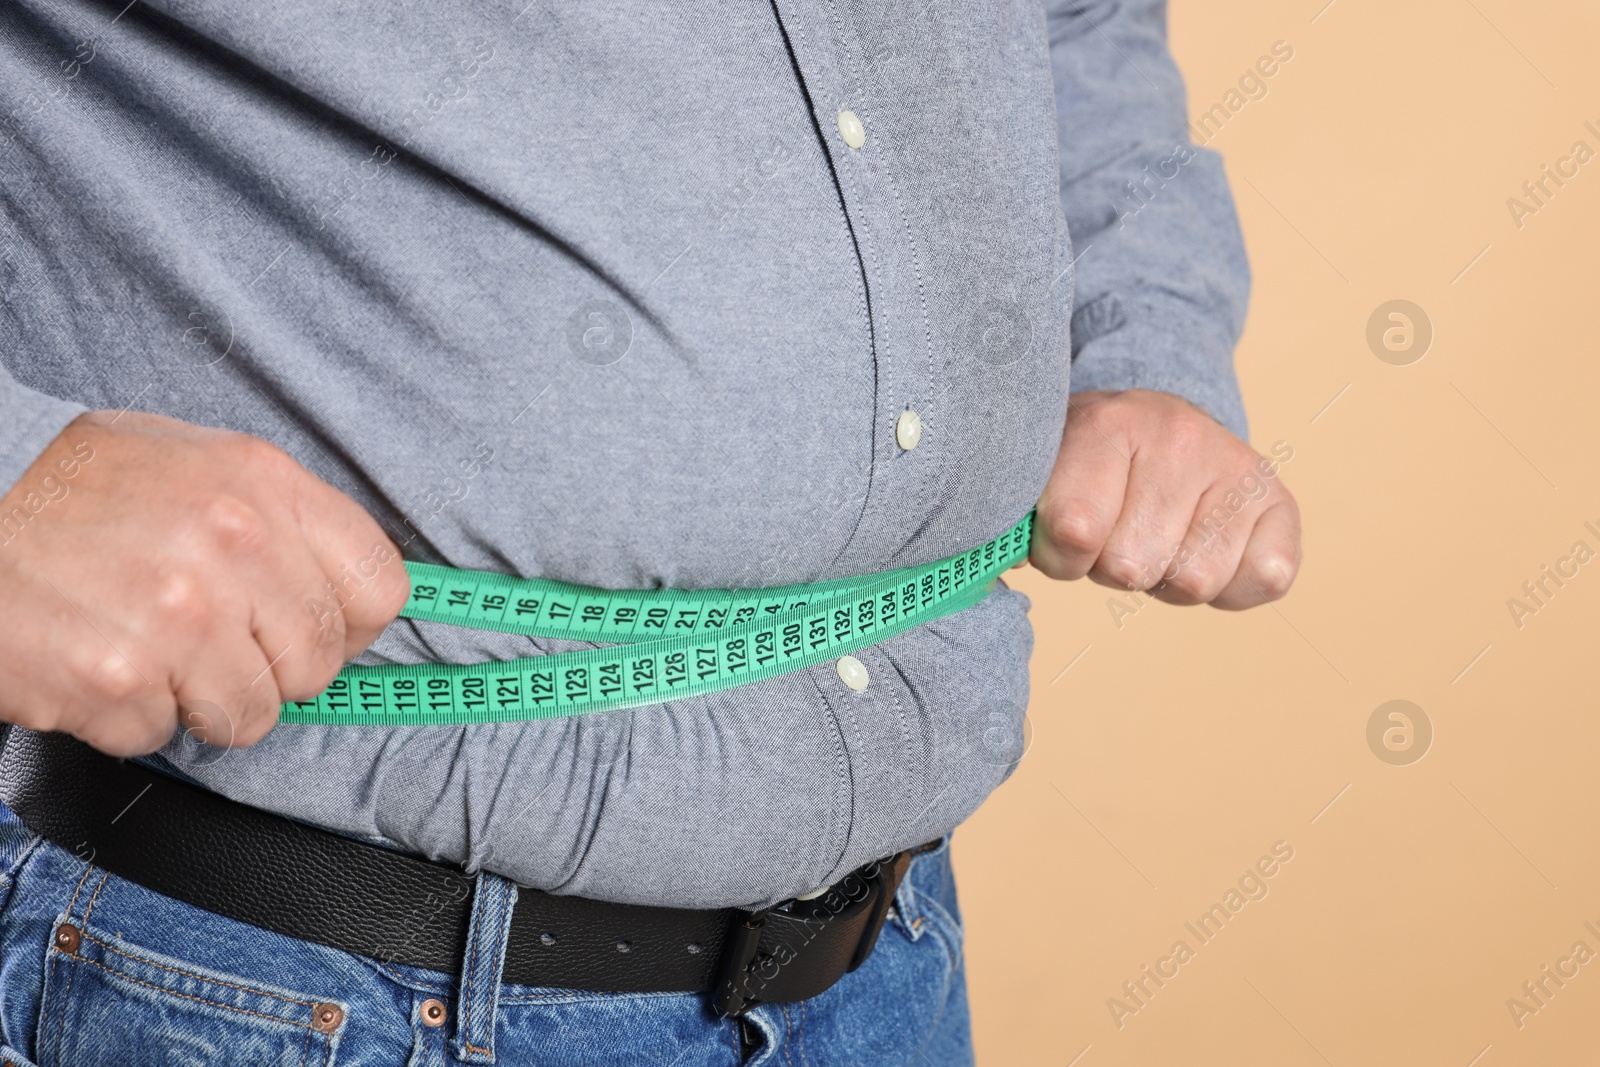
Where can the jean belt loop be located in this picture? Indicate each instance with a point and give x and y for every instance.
(493, 897)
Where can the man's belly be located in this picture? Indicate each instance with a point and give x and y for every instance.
(738, 798)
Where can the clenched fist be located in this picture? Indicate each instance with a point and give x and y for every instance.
(150, 569)
(1150, 493)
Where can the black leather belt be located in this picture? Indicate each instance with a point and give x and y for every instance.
(258, 868)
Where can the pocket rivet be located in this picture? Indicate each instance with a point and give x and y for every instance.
(325, 1018)
(433, 1012)
(68, 938)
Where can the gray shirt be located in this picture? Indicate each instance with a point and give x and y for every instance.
(601, 292)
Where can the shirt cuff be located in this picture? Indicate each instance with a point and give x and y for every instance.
(1124, 346)
(29, 421)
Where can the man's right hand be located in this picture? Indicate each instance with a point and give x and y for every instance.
(150, 569)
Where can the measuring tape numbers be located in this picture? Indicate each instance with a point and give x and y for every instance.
(670, 643)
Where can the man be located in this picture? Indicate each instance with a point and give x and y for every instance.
(635, 297)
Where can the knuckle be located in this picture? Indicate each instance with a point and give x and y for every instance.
(1077, 526)
(183, 597)
(1274, 577)
(1201, 578)
(1188, 429)
(235, 525)
(111, 678)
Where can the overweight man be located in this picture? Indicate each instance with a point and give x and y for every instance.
(313, 312)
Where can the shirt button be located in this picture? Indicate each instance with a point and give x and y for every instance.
(908, 430)
(852, 672)
(850, 128)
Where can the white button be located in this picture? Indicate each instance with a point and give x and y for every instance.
(850, 128)
(852, 672)
(908, 431)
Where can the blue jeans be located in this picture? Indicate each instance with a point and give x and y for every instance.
(95, 970)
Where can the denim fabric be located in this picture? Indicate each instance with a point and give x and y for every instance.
(154, 981)
(595, 290)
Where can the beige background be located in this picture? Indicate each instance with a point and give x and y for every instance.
(1168, 754)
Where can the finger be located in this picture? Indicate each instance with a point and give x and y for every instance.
(115, 707)
(1080, 503)
(1270, 562)
(93, 679)
(1147, 538)
(364, 576)
(296, 622)
(243, 604)
(1212, 546)
(238, 679)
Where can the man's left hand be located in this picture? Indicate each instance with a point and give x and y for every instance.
(1150, 493)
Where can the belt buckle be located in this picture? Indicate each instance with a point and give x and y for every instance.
(890, 872)
(731, 994)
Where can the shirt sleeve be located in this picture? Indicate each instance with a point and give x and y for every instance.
(29, 421)
(1162, 281)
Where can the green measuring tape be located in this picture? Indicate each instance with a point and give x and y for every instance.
(672, 643)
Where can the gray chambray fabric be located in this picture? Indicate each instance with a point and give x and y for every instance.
(597, 291)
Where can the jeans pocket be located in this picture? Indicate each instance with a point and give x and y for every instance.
(109, 1003)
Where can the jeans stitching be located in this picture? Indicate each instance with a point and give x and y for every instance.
(73, 903)
(410, 982)
(582, 996)
(197, 977)
(95, 896)
(187, 996)
(55, 964)
(494, 906)
(467, 1001)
